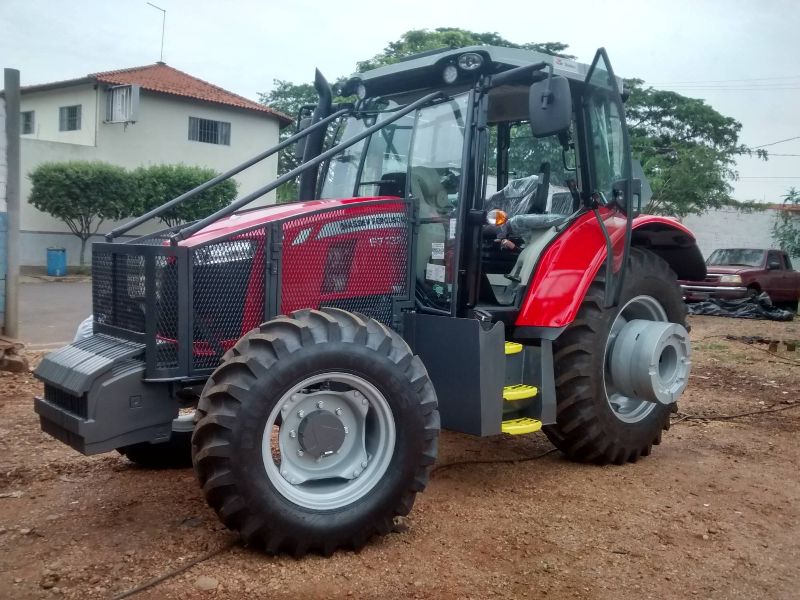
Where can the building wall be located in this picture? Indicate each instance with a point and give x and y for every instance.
(729, 228)
(159, 135)
(45, 105)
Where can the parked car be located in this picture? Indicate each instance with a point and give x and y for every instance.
(740, 272)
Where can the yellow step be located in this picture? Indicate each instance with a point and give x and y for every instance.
(519, 391)
(513, 348)
(521, 426)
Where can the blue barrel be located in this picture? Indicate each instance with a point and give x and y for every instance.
(56, 262)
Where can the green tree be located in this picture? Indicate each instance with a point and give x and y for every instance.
(158, 184)
(83, 195)
(289, 98)
(421, 40)
(786, 227)
(687, 149)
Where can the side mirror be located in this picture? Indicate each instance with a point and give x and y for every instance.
(300, 146)
(550, 106)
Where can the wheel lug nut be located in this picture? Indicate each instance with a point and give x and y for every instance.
(301, 414)
(300, 453)
(320, 404)
(364, 401)
(292, 434)
(285, 407)
(338, 412)
(356, 473)
(346, 430)
(363, 464)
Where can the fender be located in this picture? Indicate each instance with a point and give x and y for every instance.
(571, 262)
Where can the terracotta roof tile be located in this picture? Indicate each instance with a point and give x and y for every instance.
(168, 80)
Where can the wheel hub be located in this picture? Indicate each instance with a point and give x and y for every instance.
(321, 433)
(650, 360)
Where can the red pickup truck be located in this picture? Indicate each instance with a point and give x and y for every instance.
(741, 272)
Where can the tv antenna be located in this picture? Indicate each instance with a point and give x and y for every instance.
(163, 23)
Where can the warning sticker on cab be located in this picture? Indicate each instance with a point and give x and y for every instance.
(434, 272)
(437, 251)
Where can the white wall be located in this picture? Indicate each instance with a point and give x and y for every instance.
(729, 228)
(45, 105)
(3, 142)
(160, 135)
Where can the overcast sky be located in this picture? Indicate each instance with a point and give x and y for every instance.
(743, 57)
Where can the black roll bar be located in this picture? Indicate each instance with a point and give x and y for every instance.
(219, 178)
(516, 73)
(234, 206)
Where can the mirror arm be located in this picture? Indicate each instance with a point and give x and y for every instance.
(548, 92)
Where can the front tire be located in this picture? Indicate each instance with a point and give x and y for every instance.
(315, 431)
(595, 423)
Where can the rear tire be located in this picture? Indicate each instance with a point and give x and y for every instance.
(589, 426)
(252, 469)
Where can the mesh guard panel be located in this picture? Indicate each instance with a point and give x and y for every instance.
(228, 300)
(354, 258)
(118, 290)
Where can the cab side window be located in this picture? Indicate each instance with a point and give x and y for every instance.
(606, 138)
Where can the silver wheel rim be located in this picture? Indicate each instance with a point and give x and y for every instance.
(342, 477)
(628, 409)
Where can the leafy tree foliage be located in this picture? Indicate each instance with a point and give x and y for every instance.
(83, 195)
(289, 98)
(158, 184)
(687, 149)
(786, 228)
(420, 40)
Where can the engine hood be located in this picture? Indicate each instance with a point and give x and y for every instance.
(728, 269)
(246, 220)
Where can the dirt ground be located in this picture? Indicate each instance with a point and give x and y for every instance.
(714, 512)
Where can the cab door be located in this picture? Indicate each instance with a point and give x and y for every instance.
(608, 161)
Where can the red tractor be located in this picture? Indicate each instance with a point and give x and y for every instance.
(465, 253)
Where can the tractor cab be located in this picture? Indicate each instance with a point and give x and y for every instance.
(514, 146)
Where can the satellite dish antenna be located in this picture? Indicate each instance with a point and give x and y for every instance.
(163, 23)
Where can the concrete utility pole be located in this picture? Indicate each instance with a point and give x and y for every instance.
(11, 87)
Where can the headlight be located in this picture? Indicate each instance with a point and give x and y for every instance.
(470, 61)
(450, 74)
(224, 252)
(730, 279)
(361, 91)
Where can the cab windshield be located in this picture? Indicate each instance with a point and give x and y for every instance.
(378, 165)
(737, 256)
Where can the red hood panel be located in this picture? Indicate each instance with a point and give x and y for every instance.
(243, 221)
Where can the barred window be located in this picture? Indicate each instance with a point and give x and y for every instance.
(27, 122)
(69, 118)
(211, 132)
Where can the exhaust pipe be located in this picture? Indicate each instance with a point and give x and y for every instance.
(315, 141)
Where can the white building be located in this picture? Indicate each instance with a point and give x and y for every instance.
(731, 228)
(145, 115)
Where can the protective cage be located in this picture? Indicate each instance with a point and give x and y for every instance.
(190, 303)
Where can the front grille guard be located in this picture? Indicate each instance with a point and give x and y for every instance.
(189, 305)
